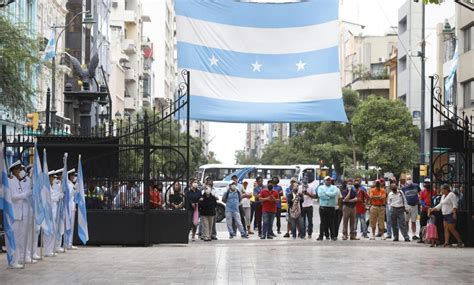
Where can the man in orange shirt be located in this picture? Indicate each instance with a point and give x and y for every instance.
(377, 209)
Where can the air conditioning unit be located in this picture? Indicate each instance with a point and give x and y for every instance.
(114, 4)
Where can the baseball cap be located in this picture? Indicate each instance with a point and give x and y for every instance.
(327, 177)
(427, 180)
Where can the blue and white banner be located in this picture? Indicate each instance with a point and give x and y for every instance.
(82, 228)
(449, 81)
(255, 62)
(67, 196)
(49, 51)
(38, 205)
(7, 207)
(48, 224)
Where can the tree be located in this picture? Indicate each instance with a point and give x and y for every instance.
(385, 133)
(211, 158)
(242, 158)
(18, 57)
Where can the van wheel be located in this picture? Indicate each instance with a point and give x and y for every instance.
(220, 213)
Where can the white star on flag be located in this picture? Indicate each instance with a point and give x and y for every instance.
(300, 65)
(256, 66)
(213, 60)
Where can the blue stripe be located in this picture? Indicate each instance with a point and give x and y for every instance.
(218, 110)
(238, 64)
(233, 12)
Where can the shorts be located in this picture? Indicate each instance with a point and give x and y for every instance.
(449, 219)
(412, 213)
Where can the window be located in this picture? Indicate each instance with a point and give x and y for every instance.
(468, 38)
(468, 93)
(402, 25)
(402, 63)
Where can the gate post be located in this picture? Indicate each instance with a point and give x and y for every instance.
(468, 182)
(188, 113)
(146, 180)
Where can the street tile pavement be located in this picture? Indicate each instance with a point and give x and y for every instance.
(253, 261)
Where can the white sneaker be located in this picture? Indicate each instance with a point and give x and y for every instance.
(15, 266)
(36, 257)
(49, 254)
(71, 247)
(29, 260)
(60, 249)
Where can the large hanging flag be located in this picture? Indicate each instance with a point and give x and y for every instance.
(67, 195)
(449, 81)
(6, 206)
(50, 50)
(37, 186)
(82, 228)
(48, 224)
(255, 62)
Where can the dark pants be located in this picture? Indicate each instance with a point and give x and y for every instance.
(252, 212)
(327, 221)
(337, 221)
(307, 214)
(278, 218)
(258, 217)
(423, 222)
(321, 232)
(397, 215)
(439, 226)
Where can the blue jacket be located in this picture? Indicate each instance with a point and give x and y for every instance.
(327, 195)
(231, 200)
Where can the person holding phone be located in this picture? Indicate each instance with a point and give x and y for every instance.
(307, 210)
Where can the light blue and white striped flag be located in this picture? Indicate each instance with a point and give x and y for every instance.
(37, 186)
(82, 228)
(7, 207)
(67, 196)
(254, 62)
(49, 51)
(449, 82)
(48, 224)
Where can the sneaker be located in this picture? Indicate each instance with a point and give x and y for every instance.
(269, 237)
(334, 239)
(193, 239)
(231, 236)
(214, 238)
(309, 236)
(262, 237)
(245, 236)
(15, 266)
(273, 235)
(36, 257)
(328, 238)
(303, 238)
(388, 237)
(372, 238)
(278, 232)
(365, 236)
(49, 255)
(287, 235)
(319, 238)
(460, 244)
(395, 239)
(60, 250)
(72, 247)
(344, 237)
(407, 239)
(415, 238)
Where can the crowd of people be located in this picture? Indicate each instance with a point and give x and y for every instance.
(392, 210)
(33, 241)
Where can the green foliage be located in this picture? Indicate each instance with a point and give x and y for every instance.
(384, 131)
(18, 57)
(242, 158)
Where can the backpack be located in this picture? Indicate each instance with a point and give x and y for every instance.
(295, 210)
(226, 194)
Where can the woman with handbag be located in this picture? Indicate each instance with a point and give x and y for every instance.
(397, 203)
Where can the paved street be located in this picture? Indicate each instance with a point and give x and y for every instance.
(253, 262)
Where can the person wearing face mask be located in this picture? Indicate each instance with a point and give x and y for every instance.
(258, 204)
(239, 188)
(397, 203)
(327, 204)
(232, 198)
(21, 193)
(209, 184)
(349, 199)
(57, 197)
(412, 191)
(425, 202)
(177, 199)
(362, 200)
(72, 178)
(193, 194)
(295, 219)
(377, 210)
(268, 197)
(49, 239)
(207, 211)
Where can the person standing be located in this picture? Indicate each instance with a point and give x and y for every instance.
(295, 205)
(288, 190)
(193, 194)
(241, 209)
(307, 208)
(269, 198)
(258, 204)
(21, 193)
(338, 208)
(425, 203)
(72, 207)
(349, 200)
(327, 204)
(362, 200)
(177, 200)
(435, 200)
(377, 210)
(246, 196)
(207, 211)
(397, 203)
(448, 207)
(210, 184)
(232, 198)
(411, 191)
(279, 189)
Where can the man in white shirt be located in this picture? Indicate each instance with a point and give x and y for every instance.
(397, 203)
(72, 207)
(307, 211)
(21, 193)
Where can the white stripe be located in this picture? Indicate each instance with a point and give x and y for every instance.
(316, 87)
(258, 40)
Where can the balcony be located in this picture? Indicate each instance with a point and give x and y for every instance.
(130, 75)
(129, 46)
(130, 104)
(129, 16)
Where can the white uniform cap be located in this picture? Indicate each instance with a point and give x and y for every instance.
(15, 164)
(52, 172)
(71, 171)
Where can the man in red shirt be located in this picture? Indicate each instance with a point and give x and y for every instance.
(425, 202)
(362, 200)
(269, 198)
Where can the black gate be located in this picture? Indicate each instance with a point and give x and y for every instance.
(451, 156)
(120, 164)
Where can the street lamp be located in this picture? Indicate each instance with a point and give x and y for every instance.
(88, 22)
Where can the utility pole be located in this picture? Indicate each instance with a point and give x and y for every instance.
(423, 85)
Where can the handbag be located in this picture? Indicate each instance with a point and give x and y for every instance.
(196, 216)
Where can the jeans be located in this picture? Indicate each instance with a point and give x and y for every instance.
(363, 225)
(298, 221)
(389, 221)
(242, 220)
(307, 214)
(397, 216)
(234, 217)
(278, 218)
(268, 218)
(327, 221)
